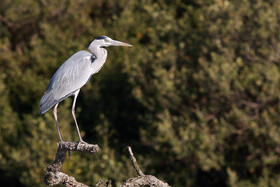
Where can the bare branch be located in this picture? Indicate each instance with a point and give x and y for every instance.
(62, 178)
(142, 179)
(134, 162)
(103, 183)
(99, 183)
(53, 176)
(149, 180)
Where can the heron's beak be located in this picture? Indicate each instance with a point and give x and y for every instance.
(118, 43)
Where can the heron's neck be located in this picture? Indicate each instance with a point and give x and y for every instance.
(100, 53)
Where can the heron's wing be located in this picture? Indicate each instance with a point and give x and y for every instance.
(71, 76)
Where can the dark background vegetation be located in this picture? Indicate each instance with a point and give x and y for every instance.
(197, 97)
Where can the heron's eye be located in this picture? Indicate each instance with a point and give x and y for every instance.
(106, 40)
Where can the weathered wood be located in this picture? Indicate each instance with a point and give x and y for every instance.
(142, 179)
(53, 176)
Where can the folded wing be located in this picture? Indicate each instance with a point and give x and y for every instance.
(70, 77)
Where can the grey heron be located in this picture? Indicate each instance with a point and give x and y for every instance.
(74, 73)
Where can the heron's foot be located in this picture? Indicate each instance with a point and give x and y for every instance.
(82, 142)
(61, 141)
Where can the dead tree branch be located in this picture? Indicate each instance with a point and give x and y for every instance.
(134, 162)
(53, 176)
(142, 179)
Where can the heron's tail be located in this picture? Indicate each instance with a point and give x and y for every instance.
(46, 103)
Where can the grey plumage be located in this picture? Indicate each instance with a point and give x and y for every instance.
(74, 73)
(72, 78)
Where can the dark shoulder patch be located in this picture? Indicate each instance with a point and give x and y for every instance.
(100, 37)
(92, 58)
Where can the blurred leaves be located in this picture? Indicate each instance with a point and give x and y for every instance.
(197, 97)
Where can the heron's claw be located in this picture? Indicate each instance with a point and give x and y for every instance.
(82, 142)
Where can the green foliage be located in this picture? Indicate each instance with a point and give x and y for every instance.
(197, 97)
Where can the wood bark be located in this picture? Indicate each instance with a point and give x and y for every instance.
(53, 175)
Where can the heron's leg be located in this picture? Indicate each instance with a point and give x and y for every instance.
(73, 113)
(55, 117)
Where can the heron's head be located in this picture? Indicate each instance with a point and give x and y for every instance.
(105, 41)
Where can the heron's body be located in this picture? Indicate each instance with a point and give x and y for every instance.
(70, 77)
(75, 73)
